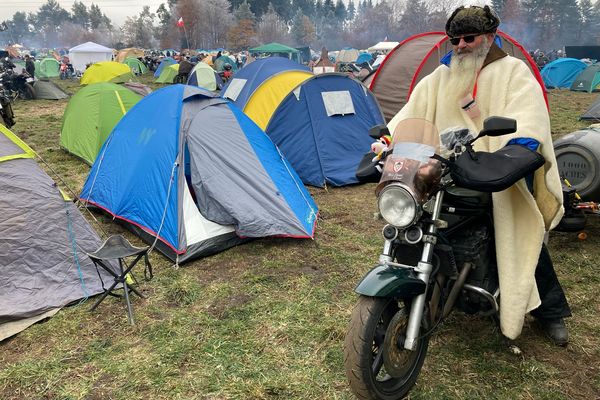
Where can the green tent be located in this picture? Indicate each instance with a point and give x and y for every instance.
(137, 67)
(47, 68)
(168, 74)
(91, 115)
(275, 49)
(588, 79)
(219, 63)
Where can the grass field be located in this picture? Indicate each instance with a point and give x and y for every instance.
(266, 320)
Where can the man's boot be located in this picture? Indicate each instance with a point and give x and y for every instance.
(556, 330)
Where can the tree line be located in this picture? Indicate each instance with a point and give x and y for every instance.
(241, 24)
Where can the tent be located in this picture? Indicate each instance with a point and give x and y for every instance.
(137, 67)
(415, 58)
(364, 58)
(130, 52)
(47, 68)
(219, 63)
(275, 50)
(106, 71)
(205, 77)
(347, 55)
(385, 47)
(48, 90)
(168, 74)
(164, 63)
(91, 115)
(43, 242)
(259, 87)
(182, 188)
(593, 111)
(139, 88)
(322, 128)
(588, 79)
(88, 53)
(561, 72)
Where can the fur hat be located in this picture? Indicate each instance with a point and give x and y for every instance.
(474, 19)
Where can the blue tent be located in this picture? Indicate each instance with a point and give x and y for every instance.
(364, 58)
(322, 128)
(248, 79)
(190, 169)
(562, 72)
(164, 63)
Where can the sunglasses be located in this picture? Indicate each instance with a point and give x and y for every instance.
(468, 39)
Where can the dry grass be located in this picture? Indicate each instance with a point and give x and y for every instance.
(266, 320)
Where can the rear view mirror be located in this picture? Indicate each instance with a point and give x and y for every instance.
(378, 131)
(498, 126)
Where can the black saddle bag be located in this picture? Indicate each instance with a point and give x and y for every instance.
(494, 172)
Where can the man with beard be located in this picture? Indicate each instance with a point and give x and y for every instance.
(481, 80)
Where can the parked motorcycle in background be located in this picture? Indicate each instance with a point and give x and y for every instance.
(18, 85)
(438, 255)
(7, 117)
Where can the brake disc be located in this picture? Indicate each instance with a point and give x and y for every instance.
(396, 359)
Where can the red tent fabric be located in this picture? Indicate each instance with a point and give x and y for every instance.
(415, 58)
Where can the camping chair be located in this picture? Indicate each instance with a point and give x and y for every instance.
(117, 247)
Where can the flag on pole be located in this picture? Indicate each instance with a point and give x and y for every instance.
(180, 22)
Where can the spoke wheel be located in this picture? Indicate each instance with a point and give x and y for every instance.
(377, 366)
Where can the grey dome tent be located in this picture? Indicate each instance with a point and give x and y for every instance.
(588, 79)
(43, 242)
(593, 111)
(48, 90)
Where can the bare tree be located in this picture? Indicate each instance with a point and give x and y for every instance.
(272, 28)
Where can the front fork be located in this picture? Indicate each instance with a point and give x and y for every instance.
(423, 270)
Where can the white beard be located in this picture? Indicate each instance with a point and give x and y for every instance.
(464, 69)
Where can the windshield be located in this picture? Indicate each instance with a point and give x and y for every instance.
(414, 141)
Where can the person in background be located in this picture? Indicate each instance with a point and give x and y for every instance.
(29, 66)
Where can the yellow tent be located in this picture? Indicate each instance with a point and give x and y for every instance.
(266, 98)
(128, 52)
(106, 71)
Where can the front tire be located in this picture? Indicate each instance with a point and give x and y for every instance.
(364, 347)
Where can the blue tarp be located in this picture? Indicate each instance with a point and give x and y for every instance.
(364, 58)
(562, 72)
(322, 128)
(259, 71)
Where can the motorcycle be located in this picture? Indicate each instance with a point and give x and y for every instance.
(438, 255)
(7, 117)
(19, 85)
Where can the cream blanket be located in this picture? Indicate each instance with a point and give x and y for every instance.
(506, 88)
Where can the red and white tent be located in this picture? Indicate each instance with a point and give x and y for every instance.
(417, 57)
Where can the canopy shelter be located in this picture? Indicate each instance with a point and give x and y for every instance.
(180, 188)
(561, 73)
(137, 67)
(43, 242)
(91, 115)
(106, 71)
(417, 57)
(48, 90)
(88, 53)
(259, 87)
(277, 50)
(168, 74)
(47, 67)
(588, 80)
(384, 47)
(205, 77)
(322, 128)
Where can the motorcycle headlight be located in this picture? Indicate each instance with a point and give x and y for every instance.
(397, 206)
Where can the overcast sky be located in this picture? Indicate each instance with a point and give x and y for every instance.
(116, 10)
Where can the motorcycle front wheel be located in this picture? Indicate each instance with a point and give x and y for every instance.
(377, 365)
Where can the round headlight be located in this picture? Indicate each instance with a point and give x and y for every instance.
(397, 206)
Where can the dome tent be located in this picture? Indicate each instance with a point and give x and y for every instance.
(179, 188)
(106, 71)
(322, 128)
(91, 115)
(205, 77)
